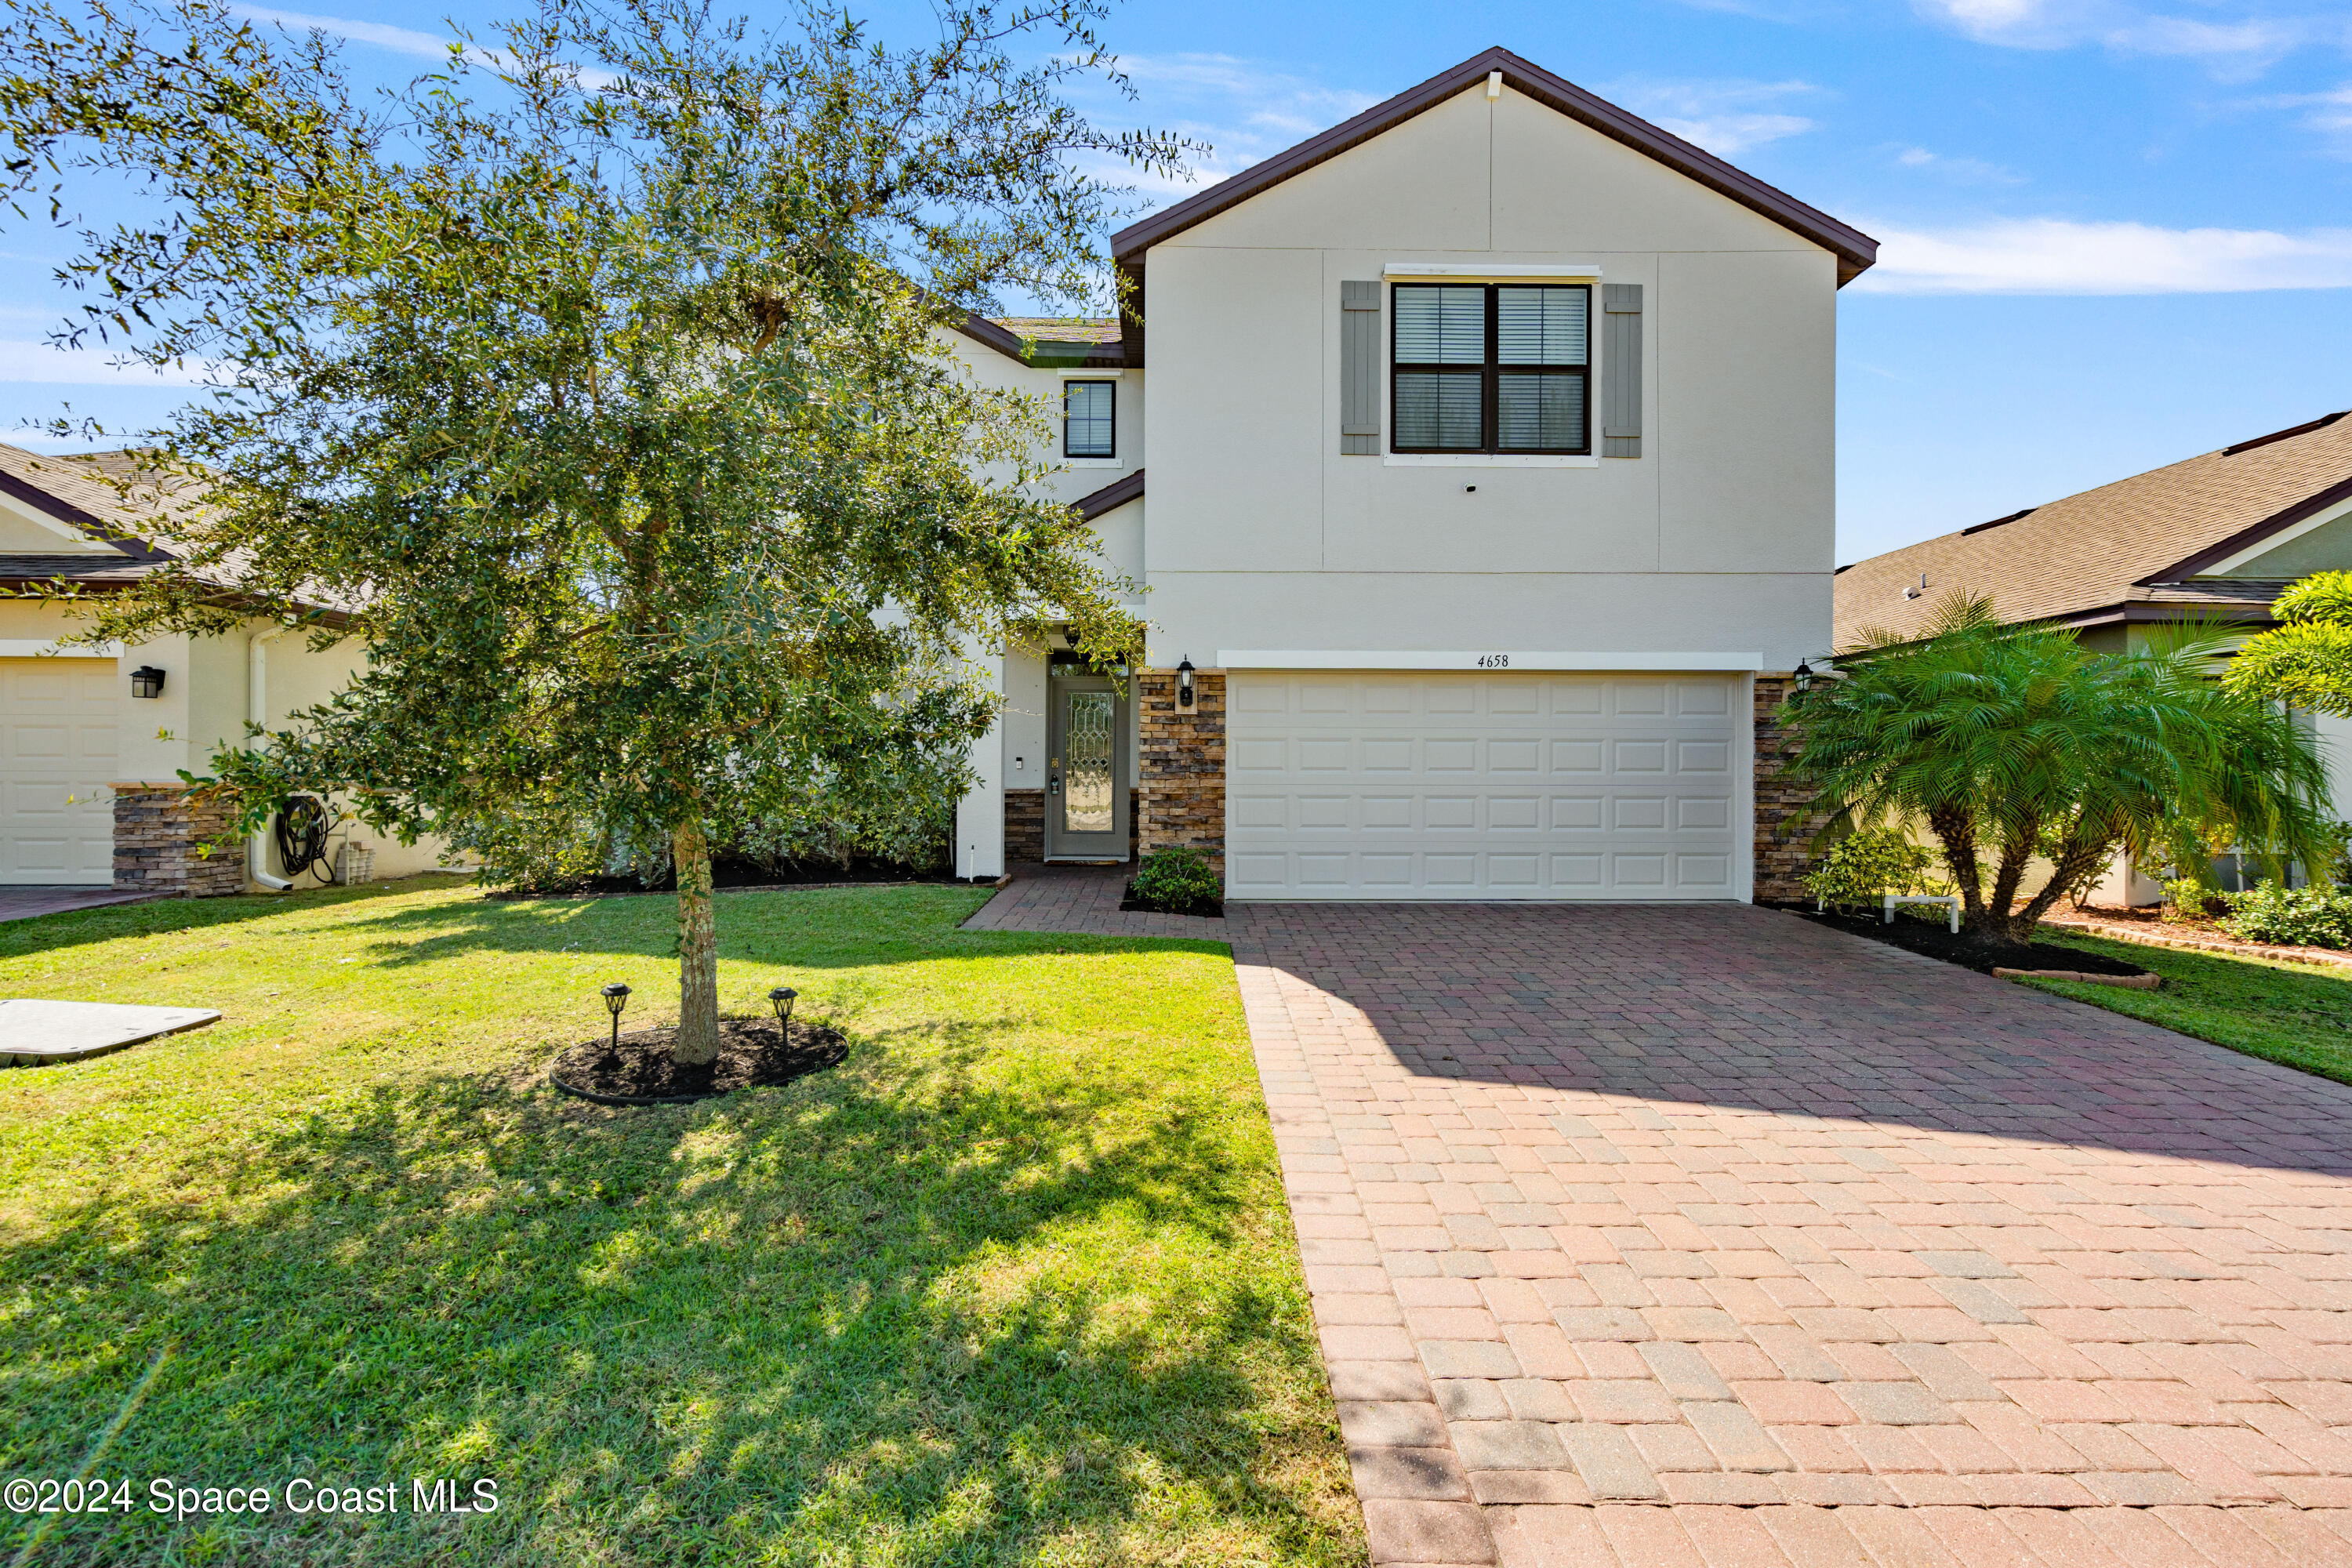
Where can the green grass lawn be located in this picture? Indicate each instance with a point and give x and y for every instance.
(2297, 1014)
(1014, 1284)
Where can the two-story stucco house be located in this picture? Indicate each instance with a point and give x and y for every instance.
(1485, 485)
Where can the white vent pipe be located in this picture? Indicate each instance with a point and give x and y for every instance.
(257, 710)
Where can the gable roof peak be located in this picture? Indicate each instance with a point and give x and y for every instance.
(1855, 250)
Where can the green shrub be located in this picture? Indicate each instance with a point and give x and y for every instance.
(1863, 868)
(1176, 882)
(2299, 917)
(2192, 898)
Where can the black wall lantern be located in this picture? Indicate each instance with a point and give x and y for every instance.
(1804, 674)
(1186, 694)
(146, 681)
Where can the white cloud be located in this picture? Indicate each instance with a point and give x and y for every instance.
(400, 40)
(1960, 171)
(2231, 47)
(2328, 113)
(2053, 255)
(1727, 118)
(1242, 110)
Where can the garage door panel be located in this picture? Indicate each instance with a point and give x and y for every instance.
(1702, 699)
(1403, 785)
(58, 756)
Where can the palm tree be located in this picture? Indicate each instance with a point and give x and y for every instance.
(2017, 742)
(2306, 659)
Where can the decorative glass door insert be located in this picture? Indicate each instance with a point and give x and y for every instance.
(1090, 754)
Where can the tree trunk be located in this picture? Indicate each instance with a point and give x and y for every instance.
(1994, 921)
(697, 948)
(1956, 828)
(2076, 860)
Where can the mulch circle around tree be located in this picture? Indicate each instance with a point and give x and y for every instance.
(640, 1072)
(1936, 940)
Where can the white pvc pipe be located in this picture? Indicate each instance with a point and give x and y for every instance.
(257, 710)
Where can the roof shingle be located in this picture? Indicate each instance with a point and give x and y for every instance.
(2103, 547)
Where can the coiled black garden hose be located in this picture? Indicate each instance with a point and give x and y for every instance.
(302, 834)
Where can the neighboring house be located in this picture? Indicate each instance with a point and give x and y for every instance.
(2211, 539)
(1489, 442)
(92, 740)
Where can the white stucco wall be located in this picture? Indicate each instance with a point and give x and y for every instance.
(204, 706)
(1718, 537)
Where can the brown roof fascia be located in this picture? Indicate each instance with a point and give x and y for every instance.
(1855, 250)
(2289, 434)
(135, 549)
(1117, 493)
(2278, 522)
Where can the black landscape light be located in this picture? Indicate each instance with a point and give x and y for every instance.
(616, 996)
(146, 681)
(1804, 674)
(1184, 690)
(781, 999)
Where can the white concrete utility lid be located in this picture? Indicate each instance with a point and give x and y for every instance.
(37, 1031)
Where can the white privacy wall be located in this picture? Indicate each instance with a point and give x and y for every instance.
(1719, 536)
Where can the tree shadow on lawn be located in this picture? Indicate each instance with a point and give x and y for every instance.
(918, 1310)
(111, 922)
(812, 928)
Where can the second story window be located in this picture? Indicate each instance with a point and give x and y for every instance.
(1491, 367)
(1087, 422)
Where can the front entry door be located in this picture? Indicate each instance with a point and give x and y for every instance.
(1085, 767)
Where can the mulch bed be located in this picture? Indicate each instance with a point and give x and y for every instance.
(1936, 942)
(750, 1055)
(1207, 908)
(732, 876)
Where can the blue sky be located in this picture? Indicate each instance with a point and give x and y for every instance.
(2115, 233)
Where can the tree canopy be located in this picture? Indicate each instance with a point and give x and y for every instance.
(2016, 743)
(2306, 659)
(592, 386)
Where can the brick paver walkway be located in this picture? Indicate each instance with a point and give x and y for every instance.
(1081, 899)
(27, 903)
(1670, 1235)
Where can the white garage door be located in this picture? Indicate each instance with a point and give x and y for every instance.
(1377, 785)
(57, 759)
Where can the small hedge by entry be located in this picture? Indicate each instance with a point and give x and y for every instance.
(1177, 881)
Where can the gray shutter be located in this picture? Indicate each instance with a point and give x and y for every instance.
(1360, 368)
(1620, 370)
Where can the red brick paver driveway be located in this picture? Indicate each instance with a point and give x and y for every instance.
(1672, 1235)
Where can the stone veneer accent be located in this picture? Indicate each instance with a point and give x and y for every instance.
(1025, 826)
(1784, 829)
(1182, 766)
(159, 839)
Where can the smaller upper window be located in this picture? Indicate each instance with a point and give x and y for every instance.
(1087, 421)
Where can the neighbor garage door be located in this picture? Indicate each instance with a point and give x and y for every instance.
(1380, 786)
(57, 759)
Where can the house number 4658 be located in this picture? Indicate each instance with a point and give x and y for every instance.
(1493, 661)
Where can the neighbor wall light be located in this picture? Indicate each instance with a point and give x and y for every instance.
(146, 681)
(1186, 693)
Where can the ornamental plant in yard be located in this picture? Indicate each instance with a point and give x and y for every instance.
(595, 386)
(2015, 742)
(2306, 659)
(1177, 880)
(2300, 917)
(1864, 866)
